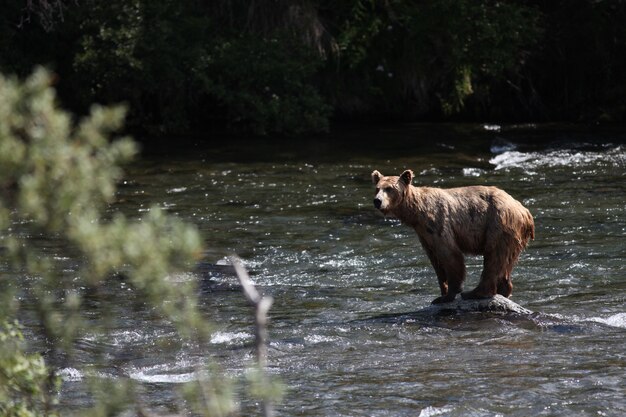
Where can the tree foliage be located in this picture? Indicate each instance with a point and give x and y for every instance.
(430, 57)
(288, 66)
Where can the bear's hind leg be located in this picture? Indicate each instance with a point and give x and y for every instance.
(505, 287)
(493, 273)
(505, 284)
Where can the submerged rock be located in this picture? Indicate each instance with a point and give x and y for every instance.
(496, 304)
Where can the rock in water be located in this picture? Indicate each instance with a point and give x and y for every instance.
(496, 304)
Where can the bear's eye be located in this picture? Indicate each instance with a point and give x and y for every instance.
(388, 189)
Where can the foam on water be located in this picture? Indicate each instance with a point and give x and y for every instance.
(615, 156)
(178, 372)
(316, 338)
(229, 337)
(176, 190)
(125, 337)
(435, 411)
(492, 128)
(616, 320)
(143, 376)
(70, 374)
(473, 172)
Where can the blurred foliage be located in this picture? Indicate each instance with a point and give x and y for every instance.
(24, 378)
(57, 179)
(278, 66)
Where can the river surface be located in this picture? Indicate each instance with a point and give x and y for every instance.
(349, 332)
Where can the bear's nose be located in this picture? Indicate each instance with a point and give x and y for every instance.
(377, 203)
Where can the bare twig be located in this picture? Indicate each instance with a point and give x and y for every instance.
(50, 12)
(261, 305)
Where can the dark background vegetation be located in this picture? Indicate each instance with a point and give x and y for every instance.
(292, 67)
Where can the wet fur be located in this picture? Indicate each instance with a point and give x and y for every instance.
(452, 222)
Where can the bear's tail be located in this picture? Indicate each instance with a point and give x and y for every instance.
(529, 227)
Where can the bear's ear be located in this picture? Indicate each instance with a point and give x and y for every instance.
(376, 176)
(407, 177)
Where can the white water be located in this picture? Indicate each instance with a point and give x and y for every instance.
(610, 156)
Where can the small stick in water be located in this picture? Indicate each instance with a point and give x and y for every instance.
(261, 305)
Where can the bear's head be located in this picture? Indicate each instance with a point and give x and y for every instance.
(390, 191)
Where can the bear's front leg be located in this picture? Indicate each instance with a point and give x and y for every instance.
(450, 268)
(449, 292)
(448, 298)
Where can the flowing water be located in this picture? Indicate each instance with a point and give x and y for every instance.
(349, 332)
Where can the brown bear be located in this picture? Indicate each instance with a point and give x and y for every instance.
(452, 222)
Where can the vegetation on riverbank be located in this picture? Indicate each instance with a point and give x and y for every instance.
(291, 66)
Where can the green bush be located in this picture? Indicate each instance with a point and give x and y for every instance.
(178, 70)
(426, 59)
(263, 84)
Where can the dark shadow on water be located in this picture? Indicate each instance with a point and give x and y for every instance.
(477, 320)
(449, 319)
(378, 142)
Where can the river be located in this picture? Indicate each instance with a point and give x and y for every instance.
(349, 335)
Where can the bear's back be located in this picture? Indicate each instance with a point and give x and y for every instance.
(468, 215)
